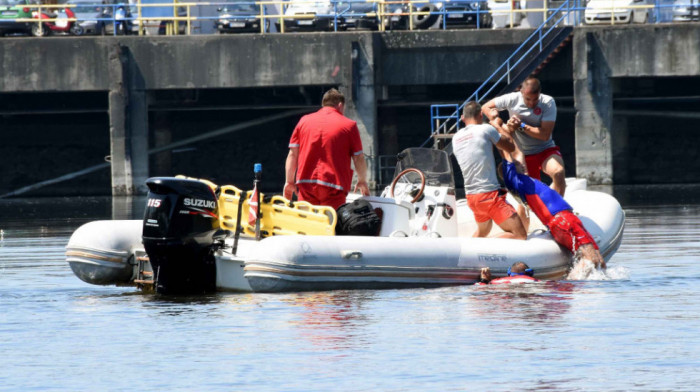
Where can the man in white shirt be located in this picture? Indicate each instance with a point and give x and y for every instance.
(534, 114)
(473, 148)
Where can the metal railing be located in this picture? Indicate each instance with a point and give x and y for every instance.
(381, 15)
(443, 124)
(386, 169)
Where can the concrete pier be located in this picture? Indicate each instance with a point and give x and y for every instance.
(128, 118)
(373, 69)
(601, 56)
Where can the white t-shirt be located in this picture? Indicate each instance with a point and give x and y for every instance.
(473, 148)
(546, 110)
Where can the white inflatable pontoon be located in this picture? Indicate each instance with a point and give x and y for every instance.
(425, 240)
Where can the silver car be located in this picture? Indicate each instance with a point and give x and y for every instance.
(686, 10)
(88, 15)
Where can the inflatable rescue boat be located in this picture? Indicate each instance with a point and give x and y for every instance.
(198, 237)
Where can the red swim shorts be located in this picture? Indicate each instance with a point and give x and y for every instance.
(490, 205)
(569, 232)
(534, 161)
(320, 195)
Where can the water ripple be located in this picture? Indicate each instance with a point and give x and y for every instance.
(631, 328)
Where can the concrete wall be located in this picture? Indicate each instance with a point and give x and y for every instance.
(237, 61)
(600, 56)
(405, 58)
(362, 64)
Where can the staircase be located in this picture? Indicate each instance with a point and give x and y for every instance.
(528, 59)
(552, 55)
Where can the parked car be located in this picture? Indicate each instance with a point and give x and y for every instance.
(312, 16)
(458, 13)
(11, 10)
(359, 14)
(400, 16)
(469, 13)
(601, 11)
(152, 11)
(123, 19)
(329, 15)
(239, 16)
(506, 13)
(686, 10)
(88, 14)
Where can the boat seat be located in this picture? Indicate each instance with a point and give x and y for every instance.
(396, 213)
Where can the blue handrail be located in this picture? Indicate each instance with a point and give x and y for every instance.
(508, 65)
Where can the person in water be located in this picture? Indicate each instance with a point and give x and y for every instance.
(519, 272)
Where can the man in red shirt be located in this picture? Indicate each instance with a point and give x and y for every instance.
(322, 145)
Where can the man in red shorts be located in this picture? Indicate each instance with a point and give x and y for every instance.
(553, 211)
(534, 115)
(320, 151)
(473, 149)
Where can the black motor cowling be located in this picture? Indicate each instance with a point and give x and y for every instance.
(179, 229)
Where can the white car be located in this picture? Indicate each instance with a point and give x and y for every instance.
(625, 11)
(501, 12)
(310, 15)
(686, 10)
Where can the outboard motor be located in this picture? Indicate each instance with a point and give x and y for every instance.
(180, 229)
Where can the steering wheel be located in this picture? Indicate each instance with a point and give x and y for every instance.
(405, 192)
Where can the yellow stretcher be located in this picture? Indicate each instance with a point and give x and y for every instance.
(277, 215)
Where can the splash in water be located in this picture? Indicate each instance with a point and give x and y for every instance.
(583, 269)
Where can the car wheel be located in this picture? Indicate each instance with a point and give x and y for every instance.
(646, 17)
(425, 21)
(39, 31)
(77, 30)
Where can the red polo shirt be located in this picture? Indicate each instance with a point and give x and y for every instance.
(326, 140)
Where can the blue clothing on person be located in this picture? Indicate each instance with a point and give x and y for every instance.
(544, 201)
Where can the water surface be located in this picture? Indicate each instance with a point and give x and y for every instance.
(634, 328)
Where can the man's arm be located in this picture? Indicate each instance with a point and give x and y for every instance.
(516, 156)
(543, 132)
(485, 275)
(290, 171)
(489, 110)
(361, 169)
(505, 143)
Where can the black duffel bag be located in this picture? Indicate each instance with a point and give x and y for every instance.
(358, 218)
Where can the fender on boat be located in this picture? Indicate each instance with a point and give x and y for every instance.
(102, 252)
